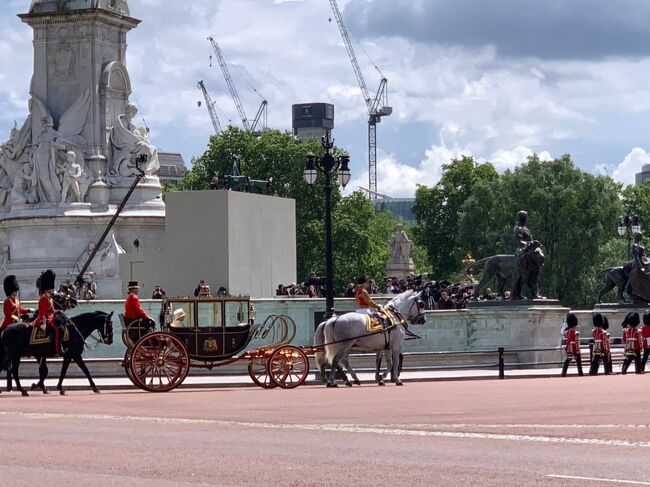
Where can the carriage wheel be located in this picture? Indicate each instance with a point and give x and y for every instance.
(127, 367)
(159, 362)
(288, 366)
(259, 372)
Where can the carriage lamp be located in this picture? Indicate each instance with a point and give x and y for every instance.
(329, 165)
(252, 314)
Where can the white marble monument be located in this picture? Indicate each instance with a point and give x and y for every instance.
(400, 263)
(67, 167)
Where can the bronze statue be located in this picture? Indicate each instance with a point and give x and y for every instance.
(529, 259)
(638, 284)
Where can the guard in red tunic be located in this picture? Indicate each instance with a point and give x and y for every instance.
(572, 347)
(599, 337)
(645, 337)
(13, 311)
(365, 304)
(632, 342)
(132, 308)
(607, 347)
(45, 316)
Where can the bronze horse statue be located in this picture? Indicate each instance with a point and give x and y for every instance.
(522, 270)
(16, 338)
(615, 277)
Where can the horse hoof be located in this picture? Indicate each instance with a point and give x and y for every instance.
(381, 383)
(34, 387)
(332, 385)
(96, 391)
(24, 393)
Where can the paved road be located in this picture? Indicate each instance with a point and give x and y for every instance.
(534, 432)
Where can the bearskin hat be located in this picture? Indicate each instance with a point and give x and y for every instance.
(10, 285)
(598, 320)
(633, 319)
(46, 281)
(605, 323)
(571, 320)
(646, 318)
(361, 280)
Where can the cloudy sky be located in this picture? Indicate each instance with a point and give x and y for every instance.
(497, 79)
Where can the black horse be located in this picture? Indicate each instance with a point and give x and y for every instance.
(15, 343)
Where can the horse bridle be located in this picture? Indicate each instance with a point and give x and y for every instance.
(413, 319)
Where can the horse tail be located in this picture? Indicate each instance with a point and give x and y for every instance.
(476, 265)
(604, 271)
(329, 337)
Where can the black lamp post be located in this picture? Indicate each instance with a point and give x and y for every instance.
(328, 165)
(629, 225)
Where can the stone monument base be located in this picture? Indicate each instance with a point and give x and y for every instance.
(502, 303)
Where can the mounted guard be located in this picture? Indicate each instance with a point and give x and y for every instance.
(45, 315)
(365, 304)
(13, 311)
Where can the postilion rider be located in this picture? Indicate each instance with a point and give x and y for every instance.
(133, 310)
(13, 311)
(45, 315)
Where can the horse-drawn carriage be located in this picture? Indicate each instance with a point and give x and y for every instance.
(209, 332)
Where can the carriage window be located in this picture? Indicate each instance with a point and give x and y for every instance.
(208, 314)
(180, 315)
(236, 313)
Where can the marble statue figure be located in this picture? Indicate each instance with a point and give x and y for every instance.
(128, 143)
(71, 177)
(400, 245)
(23, 190)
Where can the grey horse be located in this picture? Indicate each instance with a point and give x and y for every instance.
(341, 333)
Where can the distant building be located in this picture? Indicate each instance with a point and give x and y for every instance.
(172, 167)
(644, 175)
(312, 120)
(400, 208)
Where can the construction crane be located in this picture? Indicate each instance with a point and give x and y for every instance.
(211, 108)
(375, 194)
(377, 106)
(259, 122)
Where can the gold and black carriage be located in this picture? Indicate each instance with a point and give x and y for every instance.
(209, 332)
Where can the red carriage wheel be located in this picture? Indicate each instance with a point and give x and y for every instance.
(259, 372)
(159, 362)
(288, 366)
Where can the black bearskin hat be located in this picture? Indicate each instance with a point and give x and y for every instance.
(46, 281)
(605, 323)
(598, 320)
(11, 285)
(633, 319)
(362, 280)
(571, 320)
(646, 318)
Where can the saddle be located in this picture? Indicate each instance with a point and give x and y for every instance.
(381, 321)
(40, 337)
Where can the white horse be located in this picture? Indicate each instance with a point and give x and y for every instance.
(341, 333)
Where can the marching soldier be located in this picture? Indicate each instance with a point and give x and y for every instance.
(631, 340)
(12, 308)
(365, 304)
(45, 315)
(607, 347)
(132, 308)
(572, 347)
(645, 336)
(599, 345)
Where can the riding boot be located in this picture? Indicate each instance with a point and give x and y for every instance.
(565, 367)
(595, 365)
(579, 364)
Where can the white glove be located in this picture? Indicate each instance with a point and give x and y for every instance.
(42, 327)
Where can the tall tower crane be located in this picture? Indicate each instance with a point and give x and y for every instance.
(210, 104)
(377, 106)
(259, 122)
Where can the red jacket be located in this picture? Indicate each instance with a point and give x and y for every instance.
(645, 335)
(572, 336)
(631, 334)
(599, 337)
(364, 300)
(132, 308)
(12, 311)
(45, 312)
(607, 345)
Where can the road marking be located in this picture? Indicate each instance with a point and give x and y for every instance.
(519, 426)
(594, 479)
(339, 428)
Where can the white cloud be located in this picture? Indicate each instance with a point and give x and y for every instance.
(632, 164)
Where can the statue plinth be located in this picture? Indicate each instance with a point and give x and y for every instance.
(400, 263)
(400, 268)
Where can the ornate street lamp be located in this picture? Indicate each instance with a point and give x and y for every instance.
(329, 165)
(629, 226)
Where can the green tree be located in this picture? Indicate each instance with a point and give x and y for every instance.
(438, 209)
